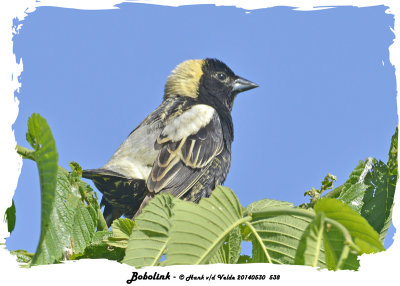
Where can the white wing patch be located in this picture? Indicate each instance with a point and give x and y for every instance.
(189, 122)
(136, 155)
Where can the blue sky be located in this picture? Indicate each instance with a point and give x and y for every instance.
(326, 98)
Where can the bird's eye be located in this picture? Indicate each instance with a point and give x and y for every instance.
(221, 76)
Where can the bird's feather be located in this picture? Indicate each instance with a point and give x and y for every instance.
(182, 148)
(182, 161)
(121, 195)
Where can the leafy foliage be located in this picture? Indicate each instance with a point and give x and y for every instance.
(354, 188)
(231, 247)
(243, 259)
(23, 256)
(121, 231)
(365, 237)
(265, 204)
(276, 233)
(370, 189)
(198, 231)
(315, 194)
(326, 232)
(308, 252)
(378, 198)
(150, 236)
(338, 254)
(10, 217)
(99, 248)
(71, 224)
(70, 211)
(45, 154)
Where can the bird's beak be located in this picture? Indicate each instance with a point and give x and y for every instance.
(241, 84)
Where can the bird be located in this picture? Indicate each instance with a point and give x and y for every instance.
(182, 148)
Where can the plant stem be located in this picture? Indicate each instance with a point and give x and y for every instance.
(101, 223)
(202, 259)
(334, 193)
(282, 211)
(25, 152)
(254, 231)
(345, 232)
(319, 239)
(343, 256)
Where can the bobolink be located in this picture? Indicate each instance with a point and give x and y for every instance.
(182, 148)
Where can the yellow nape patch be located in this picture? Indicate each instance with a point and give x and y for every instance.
(184, 79)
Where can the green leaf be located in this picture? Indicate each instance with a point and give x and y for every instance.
(370, 192)
(364, 236)
(276, 236)
(83, 220)
(232, 246)
(309, 249)
(229, 252)
(23, 256)
(322, 240)
(121, 231)
(199, 230)
(244, 259)
(246, 232)
(67, 222)
(10, 217)
(354, 188)
(265, 204)
(41, 139)
(150, 235)
(100, 237)
(72, 223)
(259, 206)
(392, 181)
(98, 248)
(87, 194)
(337, 252)
(370, 189)
(378, 199)
(46, 157)
(392, 162)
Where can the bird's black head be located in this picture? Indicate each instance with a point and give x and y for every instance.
(219, 85)
(208, 81)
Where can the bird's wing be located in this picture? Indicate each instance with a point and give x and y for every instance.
(94, 173)
(188, 145)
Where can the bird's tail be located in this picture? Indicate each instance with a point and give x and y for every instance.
(121, 195)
